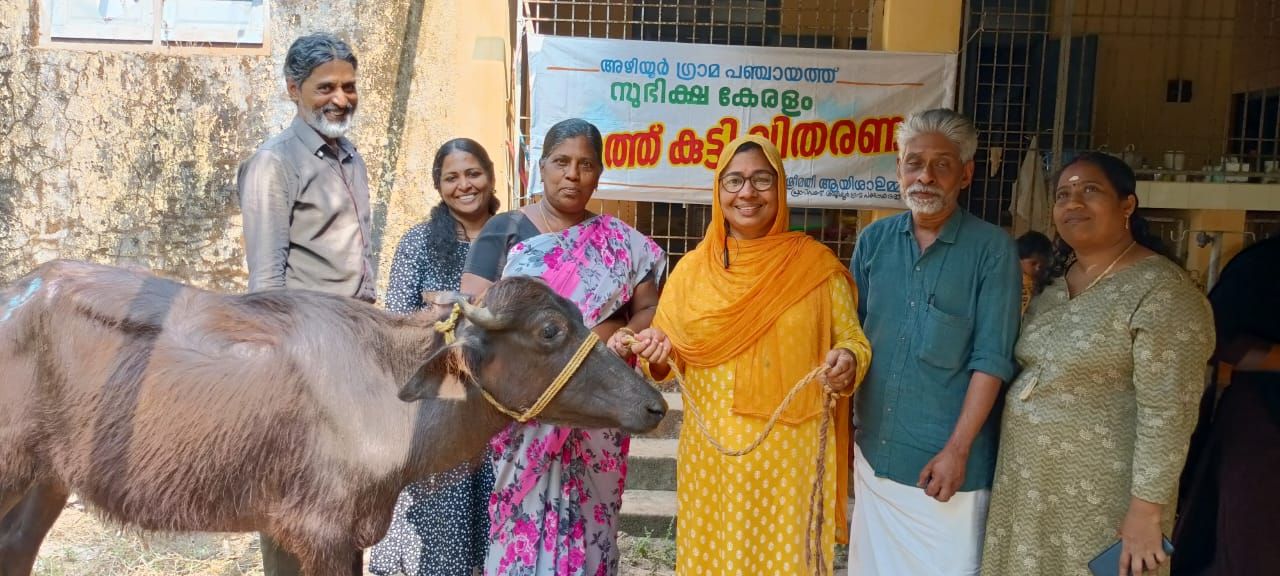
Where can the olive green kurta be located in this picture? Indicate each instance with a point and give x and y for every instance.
(1103, 409)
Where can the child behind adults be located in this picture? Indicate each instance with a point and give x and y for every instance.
(1035, 254)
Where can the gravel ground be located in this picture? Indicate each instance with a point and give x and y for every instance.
(81, 545)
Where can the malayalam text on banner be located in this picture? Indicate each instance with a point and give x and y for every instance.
(667, 110)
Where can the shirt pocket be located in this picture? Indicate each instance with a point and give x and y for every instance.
(946, 339)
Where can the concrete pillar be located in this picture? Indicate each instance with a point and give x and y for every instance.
(1230, 222)
(917, 25)
(913, 26)
(479, 77)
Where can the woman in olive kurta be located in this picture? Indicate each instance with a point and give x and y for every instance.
(1096, 427)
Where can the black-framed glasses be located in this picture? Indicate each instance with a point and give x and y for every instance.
(762, 181)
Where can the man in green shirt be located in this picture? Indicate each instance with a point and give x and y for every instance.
(940, 291)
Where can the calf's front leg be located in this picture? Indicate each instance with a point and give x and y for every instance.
(25, 526)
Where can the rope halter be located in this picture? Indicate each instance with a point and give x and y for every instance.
(449, 326)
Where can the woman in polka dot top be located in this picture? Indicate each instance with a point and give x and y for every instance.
(441, 523)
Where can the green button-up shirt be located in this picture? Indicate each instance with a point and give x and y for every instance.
(932, 319)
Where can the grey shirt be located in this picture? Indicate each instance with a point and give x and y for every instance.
(306, 215)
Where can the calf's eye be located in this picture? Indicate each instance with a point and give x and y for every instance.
(550, 331)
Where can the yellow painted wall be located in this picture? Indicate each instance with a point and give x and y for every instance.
(127, 155)
(461, 75)
(918, 25)
(914, 26)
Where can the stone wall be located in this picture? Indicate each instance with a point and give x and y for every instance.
(127, 154)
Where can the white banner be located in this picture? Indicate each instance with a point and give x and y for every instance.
(667, 110)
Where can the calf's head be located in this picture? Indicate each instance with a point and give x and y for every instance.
(519, 341)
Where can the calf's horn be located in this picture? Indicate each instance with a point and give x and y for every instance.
(481, 316)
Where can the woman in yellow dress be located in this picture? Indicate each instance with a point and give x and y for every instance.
(746, 315)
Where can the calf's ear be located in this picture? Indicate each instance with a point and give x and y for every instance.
(446, 370)
(427, 381)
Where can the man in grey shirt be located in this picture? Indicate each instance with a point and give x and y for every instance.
(305, 199)
(305, 192)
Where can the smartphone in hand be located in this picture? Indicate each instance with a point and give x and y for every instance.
(1108, 562)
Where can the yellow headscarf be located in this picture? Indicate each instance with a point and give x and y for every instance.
(768, 313)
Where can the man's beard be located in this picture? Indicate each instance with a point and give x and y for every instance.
(317, 119)
(929, 206)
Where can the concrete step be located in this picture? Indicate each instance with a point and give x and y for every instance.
(652, 464)
(648, 513)
(670, 425)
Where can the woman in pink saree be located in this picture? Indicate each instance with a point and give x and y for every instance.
(558, 491)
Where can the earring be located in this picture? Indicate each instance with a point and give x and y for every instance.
(1126, 221)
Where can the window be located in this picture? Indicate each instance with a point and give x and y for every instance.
(734, 22)
(158, 22)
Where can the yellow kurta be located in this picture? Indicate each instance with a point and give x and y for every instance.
(747, 514)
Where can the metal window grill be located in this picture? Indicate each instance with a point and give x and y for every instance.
(1181, 89)
(834, 24)
(1172, 229)
(1260, 226)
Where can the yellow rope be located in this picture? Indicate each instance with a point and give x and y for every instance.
(814, 555)
(449, 325)
(563, 378)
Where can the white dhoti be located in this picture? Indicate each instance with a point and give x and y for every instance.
(898, 530)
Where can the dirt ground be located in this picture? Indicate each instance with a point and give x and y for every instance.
(81, 545)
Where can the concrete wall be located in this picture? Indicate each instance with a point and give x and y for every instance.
(1142, 45)
(127, 154)
(1256, 64)
(1222, 46)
